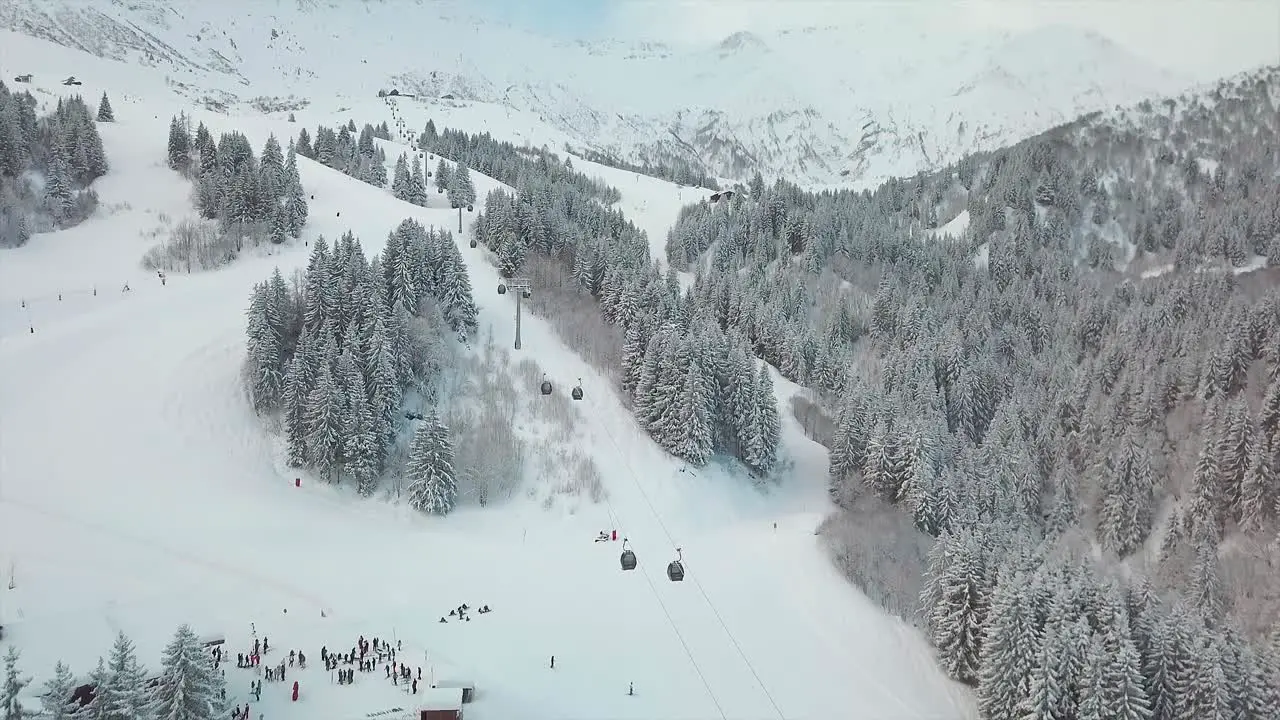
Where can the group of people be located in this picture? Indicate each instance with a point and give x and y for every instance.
(275, 673)
(366, 655)
(460, 612)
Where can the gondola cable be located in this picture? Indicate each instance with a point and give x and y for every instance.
(653, 510)
(688, 651)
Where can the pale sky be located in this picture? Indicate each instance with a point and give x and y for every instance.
(1203, 39)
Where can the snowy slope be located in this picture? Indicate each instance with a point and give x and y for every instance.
(137, 490)
(822, 105)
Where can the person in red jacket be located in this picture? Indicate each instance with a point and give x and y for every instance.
(615, 535)
(295, 691)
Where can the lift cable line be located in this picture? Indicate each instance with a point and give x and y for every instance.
(544, 389)
(626, 542)
(653, 510)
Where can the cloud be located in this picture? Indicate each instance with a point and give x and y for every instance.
(1202, 38)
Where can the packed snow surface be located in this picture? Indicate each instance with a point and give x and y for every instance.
(138, 491)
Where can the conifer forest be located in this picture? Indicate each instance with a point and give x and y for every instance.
(64, 148)
(187, 686)
(1054, 450)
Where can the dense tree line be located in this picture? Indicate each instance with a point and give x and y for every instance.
(63, 149)
(410, 184)
(335, 355)
(187, 687)
(693, 387)
(348, 151)
(677, 170)
(251, 198)
(1021, 398)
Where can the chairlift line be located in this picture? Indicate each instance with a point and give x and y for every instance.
(678, 563)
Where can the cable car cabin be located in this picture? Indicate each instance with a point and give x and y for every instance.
(577, 391)
(546, 387)
(628, 557)
(471, 208)
(473, 242)
(675, 570)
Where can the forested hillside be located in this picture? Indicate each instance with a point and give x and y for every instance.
(1077, 395)
(47, 165)
(694, 388)
(335, 355)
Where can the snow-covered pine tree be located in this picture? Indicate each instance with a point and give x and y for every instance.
(293, 416)
(417, 184)
(461, 191)
(271, 167)
(687, 431)
(384, 385)
(318, 291)
(955, 601)
(263, 351)
(1259, 491)
(764, 456)
(59, 197)
(455, 291)
(1206, 583)
(1009, 650)
(433, 487)
(400, 179)
(1123, 681)
(324, 414)
(1044, 690)
(179, 144)
(1093, 688)
(295, 197)
(1209, 692)
(56, 697)
(189, 687)
(303, 144)
(360, 449)
(443, 176)
(14, 682)
(105, 113)
(121, 692)
(281, 226)
(1233, 452)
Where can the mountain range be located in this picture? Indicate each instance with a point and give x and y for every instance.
(822, 106)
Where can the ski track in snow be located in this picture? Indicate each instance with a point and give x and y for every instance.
(138, 491)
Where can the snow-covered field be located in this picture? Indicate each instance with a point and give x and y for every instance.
(138, 491)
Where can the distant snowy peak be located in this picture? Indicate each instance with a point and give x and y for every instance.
(823, 106)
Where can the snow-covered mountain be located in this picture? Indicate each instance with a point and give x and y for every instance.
(830, 105)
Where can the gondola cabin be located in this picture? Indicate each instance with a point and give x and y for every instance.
(675, 569)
